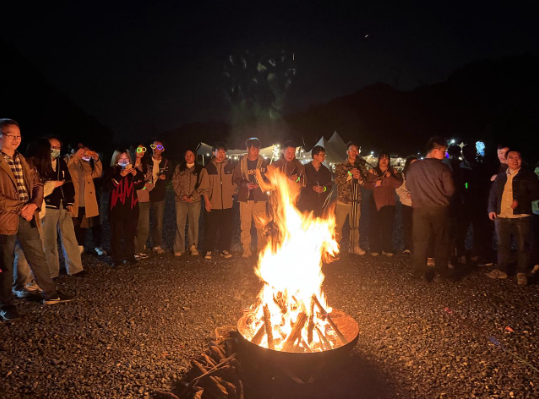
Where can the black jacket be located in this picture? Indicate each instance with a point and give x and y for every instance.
(64, 193)
(525, 191)
(165, 168)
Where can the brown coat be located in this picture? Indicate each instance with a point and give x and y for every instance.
(75, 164)
(10, 204)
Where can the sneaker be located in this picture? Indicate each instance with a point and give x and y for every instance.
(58, 298)
(142, 255)
(158, 250)
(407, 252)
(100, 251)
(225, 254)
(22, 293)
(389, 254)
(522, 279)
(208, 255)
(358, 250)
(178, 254)
(430, 262)
(32, 286)
(9, 313)
(374, 254)
(497, 273)
(194, 251)
(81, 249)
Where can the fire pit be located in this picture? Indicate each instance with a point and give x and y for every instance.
(291, 327)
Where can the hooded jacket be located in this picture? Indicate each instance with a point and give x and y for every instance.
(221, 188)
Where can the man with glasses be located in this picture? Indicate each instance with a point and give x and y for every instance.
(21, 195)
(318, 183)
(161, 172)
(431, 187)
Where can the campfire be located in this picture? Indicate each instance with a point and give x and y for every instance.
(292, 313)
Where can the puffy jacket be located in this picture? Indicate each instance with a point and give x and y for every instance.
(221, 188)
(525, 191)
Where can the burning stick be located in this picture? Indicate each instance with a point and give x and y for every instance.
(267, 323)
(310, 326)
(325, 343)
(331, 323)
(295, 333)
(279, 301)
(257, 339)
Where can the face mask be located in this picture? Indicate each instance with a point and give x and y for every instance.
(123, 164)
(55, 153)
(87, 159)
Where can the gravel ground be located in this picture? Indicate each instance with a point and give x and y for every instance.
(135, 329)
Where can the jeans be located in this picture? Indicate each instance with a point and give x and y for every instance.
(158, 210)
(143, 227)
(186, 212)
(125, 228)
(381, 227)
(59, 220)
(249, 211)
(218, 221)
(408, 222)
(342, 211)
(519, 228)
(22, 274)
(431, 223)
(28, 237)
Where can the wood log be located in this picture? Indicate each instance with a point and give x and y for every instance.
(214, 388)
(269, 330)
(310, 326)
(279, 301)
(325, 343)
(217, 353)
(230, 388)
(211, 363)
(164, 395)
(306, 346)
(331, 323)
(295, 333)
(257, 339)
(241, 390)
(198, 394)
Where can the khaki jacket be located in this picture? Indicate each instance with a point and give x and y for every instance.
(10, 204)
(75, 164)
(221, 188)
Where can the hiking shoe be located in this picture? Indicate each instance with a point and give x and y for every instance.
(142, 255)
(389, 254)
(358, 250)
(9, 313)
(58, 298)
(225, 254)
(158, 250)
(374, 254)
(178, 254)
(407, 252)
(497, 273)
(100, 251)
(522, 279)
(194, 251)
(430, 262)
(208, 255)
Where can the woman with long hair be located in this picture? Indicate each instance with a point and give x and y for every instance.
(141, 155)
(189, 181)
(123, 180)
(407, 210)
(382, 180)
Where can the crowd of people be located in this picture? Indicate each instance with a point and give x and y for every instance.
(45, 196)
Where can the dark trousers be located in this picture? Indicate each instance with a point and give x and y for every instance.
(126, 229)
(431, 222)
(218, 221)
(407, 220)
(535, 240)
(520, 228)
(32, 246)
(81, 227)
(381, 227)
(477, 218)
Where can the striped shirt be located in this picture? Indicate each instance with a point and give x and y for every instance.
(16, 167)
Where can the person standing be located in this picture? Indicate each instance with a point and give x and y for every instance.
(219, 198)
(383, 180)
(124, 181)
(253, 202)
(350, 175)
(407, 210)
(161, 173)
(289, 165)
(318, 184)
(510, 206)
(21, 195)
(143, 195)
(190, 180)
(431, 186)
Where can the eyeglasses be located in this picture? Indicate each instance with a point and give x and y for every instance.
(158, 146)
(141, 149)
(12, 137)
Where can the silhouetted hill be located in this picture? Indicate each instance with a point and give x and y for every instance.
(41, 109)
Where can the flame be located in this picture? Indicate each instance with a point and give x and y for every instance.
(291, 268)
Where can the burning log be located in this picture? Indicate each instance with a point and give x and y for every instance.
(325, 343)
(279, 301)
(295, 333)
(331, 323)
(310, 326)
(267, 323)
(257, 339)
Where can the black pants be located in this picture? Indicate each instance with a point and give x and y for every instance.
(407, 220)
(431, 222)
(381, 227)
(520, 228)
(218, 223)
(80, 231)
(470, 215)
(535, 240)
(126, 229)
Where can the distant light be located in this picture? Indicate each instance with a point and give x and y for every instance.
(452, 141)
(372, 152)
(366, 35)
(480, 147)
(207, 154)
(418, 153)
(422, 158)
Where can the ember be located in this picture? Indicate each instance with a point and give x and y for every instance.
(292, 314)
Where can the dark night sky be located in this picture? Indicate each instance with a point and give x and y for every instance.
(145, 68)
